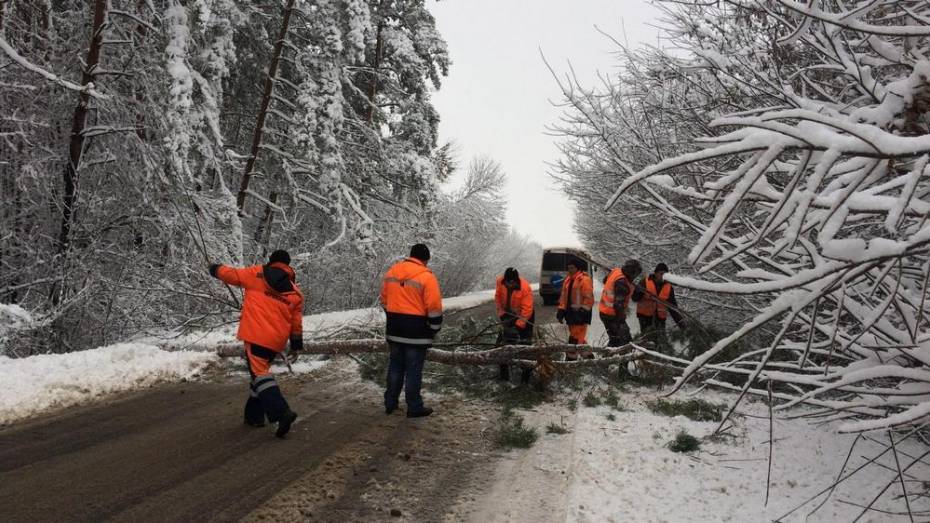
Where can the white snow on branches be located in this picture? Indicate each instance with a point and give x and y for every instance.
(797, 137)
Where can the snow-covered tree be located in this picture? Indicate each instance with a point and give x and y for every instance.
(807, 188)
(140, 140)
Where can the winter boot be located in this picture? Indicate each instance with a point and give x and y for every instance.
(420, 413)
(504, 373)
(571, 355)
(287, 419)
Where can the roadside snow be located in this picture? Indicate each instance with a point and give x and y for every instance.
(621, 469)
(48, 381)
(43, 382)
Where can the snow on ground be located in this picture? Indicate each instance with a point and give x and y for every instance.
(621, 469)
(43, 382)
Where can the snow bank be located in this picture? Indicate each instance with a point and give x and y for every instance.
(614, 466)
(621, 469)
(43, 382)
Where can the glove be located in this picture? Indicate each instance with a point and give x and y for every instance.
(521, 324)
(213, 268)
(297, 344)
(560, 315)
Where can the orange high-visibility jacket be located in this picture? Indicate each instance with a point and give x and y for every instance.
(618, 290)
(273, 307)
(515, 303)
(648, 306)
(577, 298)
(412, 300)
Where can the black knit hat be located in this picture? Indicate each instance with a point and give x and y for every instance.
(632, 268)
(511, 274)
(579, 264)
(420, 251)
(280, 256)
(661, 268)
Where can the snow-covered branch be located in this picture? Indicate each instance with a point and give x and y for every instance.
(52, 77)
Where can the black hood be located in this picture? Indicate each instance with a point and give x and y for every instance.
(278, 279)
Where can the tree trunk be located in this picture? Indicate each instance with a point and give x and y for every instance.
(263, 231)
(139, 92)
(263, 107)
(79, 121)
(520, 354)
(373, 89)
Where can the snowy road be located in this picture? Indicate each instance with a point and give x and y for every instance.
(178, 452)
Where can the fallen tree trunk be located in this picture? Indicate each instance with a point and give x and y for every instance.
(607, 359)
(518, 354)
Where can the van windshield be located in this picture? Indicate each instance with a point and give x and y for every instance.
(554, 261)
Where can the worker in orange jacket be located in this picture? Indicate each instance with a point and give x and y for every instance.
(575, 304)
(513, 297)
(272, 314)
(412, 300)
(656, 301)
(615, 298)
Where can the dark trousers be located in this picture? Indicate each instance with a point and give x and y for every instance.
(652, 328)
(265, 398)
(405, 371)
(511, 335)
(618, 332)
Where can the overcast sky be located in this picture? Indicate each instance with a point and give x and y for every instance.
(496, 99)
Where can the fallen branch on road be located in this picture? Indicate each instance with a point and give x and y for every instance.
(517, 354)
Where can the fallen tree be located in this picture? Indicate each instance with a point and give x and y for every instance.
(463, 354)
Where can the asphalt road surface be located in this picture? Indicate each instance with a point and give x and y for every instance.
(178, 452)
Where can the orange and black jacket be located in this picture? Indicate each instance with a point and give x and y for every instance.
(577, 299)
(618, 290)
(649, 306)
(514, 304)
(411, 298)
(273, 309)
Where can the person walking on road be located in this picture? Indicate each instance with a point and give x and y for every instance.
(615, 298)
(575, 304)
(412, 300)
(272, 314)
(514, 299)
(656, 301)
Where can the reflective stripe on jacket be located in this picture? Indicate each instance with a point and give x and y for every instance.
(272, 311)
(520, 303)
(651, 307)
(577, 298)
(412, 300)
(609, 296)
